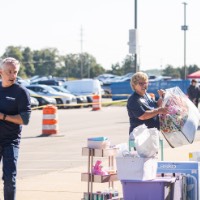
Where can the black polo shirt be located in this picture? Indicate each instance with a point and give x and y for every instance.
(137, 105)
(13, 100)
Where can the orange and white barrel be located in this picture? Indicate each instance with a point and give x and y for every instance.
(96, 102)
(50, 120)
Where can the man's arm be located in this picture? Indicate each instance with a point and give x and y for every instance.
(22, 118)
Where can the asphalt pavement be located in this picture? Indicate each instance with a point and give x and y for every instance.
(50, 168)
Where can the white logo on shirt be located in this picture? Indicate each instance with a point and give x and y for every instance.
(142, 101)
(10, 98)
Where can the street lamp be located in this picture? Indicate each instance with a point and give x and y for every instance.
(133, 40)
(136, 66)
(81, 54)
(184, 28)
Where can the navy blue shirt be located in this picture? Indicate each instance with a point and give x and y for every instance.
(13, 100)
(137, 105)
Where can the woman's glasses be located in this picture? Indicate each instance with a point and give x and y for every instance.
(143, 83)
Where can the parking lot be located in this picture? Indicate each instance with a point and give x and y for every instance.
(50, 167)
(39, 154)
(63, 150)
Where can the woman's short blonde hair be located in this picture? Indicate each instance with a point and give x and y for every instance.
(138, 77)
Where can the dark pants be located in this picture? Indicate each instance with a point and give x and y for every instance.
(197, 102)
(9, 156)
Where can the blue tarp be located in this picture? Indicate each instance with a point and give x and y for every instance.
(122, 90)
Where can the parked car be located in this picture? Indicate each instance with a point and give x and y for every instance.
(80, 99)
(22, 81)
(106, 78)
(34, 102)
(43, 100)
(61, 98)
(49, 82)
(86, 87)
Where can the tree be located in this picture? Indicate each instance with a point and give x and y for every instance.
(48, 62)
(28, 62)
(192, 69)
(16, 52)
(45, 61)
(128, 65)
(70, 65)
(115, 69)
(170, 71)
(90, 68)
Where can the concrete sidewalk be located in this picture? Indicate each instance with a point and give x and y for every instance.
(67, 185)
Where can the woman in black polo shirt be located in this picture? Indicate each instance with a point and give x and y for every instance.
(142, 109)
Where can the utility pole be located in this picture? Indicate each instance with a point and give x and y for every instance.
(81, 56)
(136, 65)
(133, 46)
(184, 28)
(88, 68)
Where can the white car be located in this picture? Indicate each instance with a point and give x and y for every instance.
(65, 100)
(84, 87)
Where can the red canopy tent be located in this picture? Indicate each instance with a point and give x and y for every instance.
(194, 75)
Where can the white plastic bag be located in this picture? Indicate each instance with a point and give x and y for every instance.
(146, 141)
(122, 149)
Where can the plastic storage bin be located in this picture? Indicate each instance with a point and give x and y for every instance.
(98, 143)
(158, 189)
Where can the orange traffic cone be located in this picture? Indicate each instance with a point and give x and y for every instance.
(50, 121)
(96, 99)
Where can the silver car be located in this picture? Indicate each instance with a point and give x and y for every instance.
(63, 100)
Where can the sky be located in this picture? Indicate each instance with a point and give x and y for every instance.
(105, 28)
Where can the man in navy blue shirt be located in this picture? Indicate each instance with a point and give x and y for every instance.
(15, 111)
(142, 109)
(193, 92)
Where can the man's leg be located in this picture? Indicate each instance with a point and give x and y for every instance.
(197, 103)
(9, 157)
(0, 153)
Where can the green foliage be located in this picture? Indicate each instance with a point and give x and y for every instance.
(127, 67)
(45, 61)
(179, 72)
(170, 71)
(48, 62)
(27, 62)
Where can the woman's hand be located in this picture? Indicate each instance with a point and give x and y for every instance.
(162, 110)
(161, 93)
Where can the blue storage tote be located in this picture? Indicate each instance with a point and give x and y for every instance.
(158, 189)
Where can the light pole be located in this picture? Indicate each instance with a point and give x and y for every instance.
(136, 66)
(81, 55)
(185, 28)
(88, 67)
(133, 41)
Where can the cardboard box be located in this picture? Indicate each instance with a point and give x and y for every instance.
(136, 168)
(190, 169)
